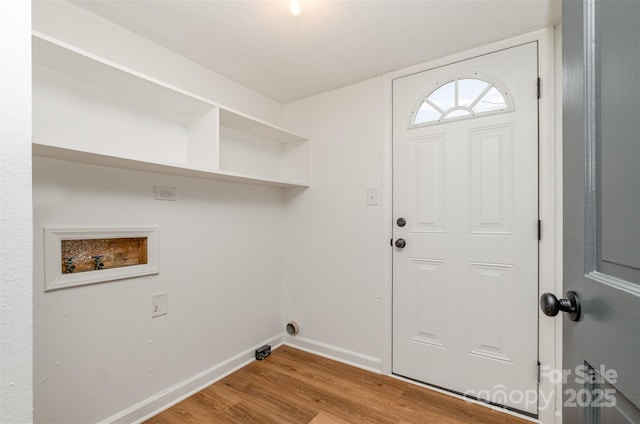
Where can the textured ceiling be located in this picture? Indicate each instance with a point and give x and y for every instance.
(333, 43)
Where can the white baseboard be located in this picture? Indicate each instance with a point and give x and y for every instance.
(165, 399)
(339, 354)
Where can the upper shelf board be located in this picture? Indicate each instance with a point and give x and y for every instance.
(91, 69)
(240, 122)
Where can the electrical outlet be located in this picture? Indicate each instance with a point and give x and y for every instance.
(263, 352)
(164, 193)
(158, 304)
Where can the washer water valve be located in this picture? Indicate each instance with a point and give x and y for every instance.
(97, 260)
(69, 266)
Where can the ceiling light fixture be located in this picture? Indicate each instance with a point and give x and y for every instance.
(295, 7)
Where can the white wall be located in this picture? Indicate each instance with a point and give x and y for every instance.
(98, 354)
(15, 213)
(314, 256)
(333, 240)
(78, 27)
(97, 349)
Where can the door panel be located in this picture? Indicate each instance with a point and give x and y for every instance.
(491, 161)
(465, 286)
(601, 52)
(493, 329)
(427, 288)
(617, 127)
(427, 179)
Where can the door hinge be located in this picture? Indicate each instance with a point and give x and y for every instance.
(539, 372)
(538, 88)
(539, 230)
(391, 242)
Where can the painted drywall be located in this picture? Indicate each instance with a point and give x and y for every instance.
(316, 289)
(332, 266)
(333, 239)
(98, 354)
(85, 30)
(15, 213)
(97, 349)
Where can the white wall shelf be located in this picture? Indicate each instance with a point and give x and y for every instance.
(137, 165)
(90, 110)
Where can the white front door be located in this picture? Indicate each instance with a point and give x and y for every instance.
(465, 204)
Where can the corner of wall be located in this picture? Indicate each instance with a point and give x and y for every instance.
(16, 248)
(333, 285)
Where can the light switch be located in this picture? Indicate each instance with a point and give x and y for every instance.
(158, 304)
(372, 196)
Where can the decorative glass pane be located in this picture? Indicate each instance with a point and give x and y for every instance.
(493, 100)
(456, 113)
(444, 97)
(461, 98)
(426, 113)
(469, 90)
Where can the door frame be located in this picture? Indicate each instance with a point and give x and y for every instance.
(550, 201)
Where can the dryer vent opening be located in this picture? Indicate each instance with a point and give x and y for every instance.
(292, 328)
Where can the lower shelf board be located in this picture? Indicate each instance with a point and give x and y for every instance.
(89, 158)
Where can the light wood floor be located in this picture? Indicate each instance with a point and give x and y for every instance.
(292, 386)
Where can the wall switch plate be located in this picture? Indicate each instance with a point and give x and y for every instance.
(164, 193)
(158, 304)
(373, 197)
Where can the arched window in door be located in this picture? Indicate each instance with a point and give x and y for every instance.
(461, 98)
